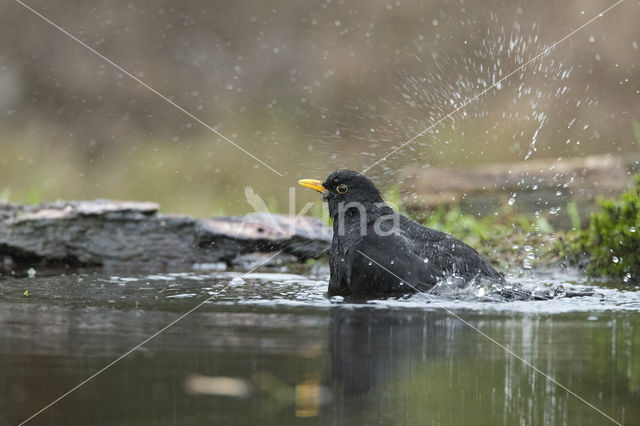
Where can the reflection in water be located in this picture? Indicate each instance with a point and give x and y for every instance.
(377, 355)
(370, 348)
(430, 368)
(368, 345)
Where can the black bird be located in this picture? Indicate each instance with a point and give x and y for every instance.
(376, 250)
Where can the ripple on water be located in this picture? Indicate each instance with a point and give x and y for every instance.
(180, 291)
(266, 289)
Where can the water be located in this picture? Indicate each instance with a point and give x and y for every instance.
(274, 349)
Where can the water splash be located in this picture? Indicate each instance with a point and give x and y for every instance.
(445, 78)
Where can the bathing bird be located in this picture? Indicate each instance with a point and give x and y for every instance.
(376, 250)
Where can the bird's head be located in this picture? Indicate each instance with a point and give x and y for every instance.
(346, 188)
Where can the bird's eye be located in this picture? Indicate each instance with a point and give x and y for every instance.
(342, 188)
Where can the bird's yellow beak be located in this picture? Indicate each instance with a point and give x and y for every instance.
(314, 184)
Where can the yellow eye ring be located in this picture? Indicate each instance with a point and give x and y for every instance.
(342, 188)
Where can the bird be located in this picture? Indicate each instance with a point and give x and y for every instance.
(376, 250)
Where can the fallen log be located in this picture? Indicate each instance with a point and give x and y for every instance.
(117, 234)
(530, 186)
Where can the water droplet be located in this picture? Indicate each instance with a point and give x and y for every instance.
(615, 259)
(511, 201)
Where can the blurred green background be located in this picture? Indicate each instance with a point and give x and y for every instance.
(308, 87)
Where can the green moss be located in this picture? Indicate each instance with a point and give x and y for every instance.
(504, 237)
(611, 243)
(574, 216)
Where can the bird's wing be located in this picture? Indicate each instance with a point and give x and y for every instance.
(445, 253)
(387, 264)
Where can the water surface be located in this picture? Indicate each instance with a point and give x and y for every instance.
(272, 348)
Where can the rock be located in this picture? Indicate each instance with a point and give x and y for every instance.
(133, 234)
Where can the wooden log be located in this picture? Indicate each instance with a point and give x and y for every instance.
(538, 185)
(133, 234)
